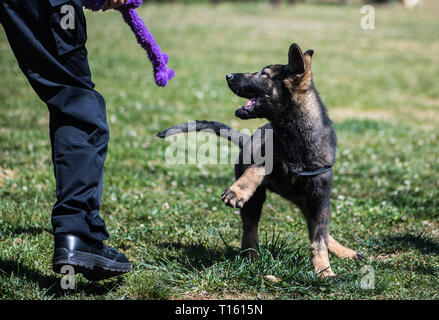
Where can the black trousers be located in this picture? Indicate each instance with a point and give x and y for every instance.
(48, 39)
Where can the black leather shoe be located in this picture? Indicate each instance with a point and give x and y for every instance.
(93, 259)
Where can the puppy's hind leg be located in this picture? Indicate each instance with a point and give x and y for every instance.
(250, 215)
(341, 251)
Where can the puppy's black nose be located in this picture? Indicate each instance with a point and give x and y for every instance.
(229, 77)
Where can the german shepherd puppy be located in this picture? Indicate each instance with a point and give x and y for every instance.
(304, 145)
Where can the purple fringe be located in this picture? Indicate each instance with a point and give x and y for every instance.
(158, 58)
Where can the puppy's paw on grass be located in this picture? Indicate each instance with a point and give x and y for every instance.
(327, 273)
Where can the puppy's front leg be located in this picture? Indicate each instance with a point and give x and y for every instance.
(243, 188)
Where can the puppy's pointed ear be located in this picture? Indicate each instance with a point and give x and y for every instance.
(296, 60)
(309, 53)
(307, 56)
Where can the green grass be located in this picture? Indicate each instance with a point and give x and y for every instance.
(382, 93)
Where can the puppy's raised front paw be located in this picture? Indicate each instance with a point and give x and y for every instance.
(234, 197)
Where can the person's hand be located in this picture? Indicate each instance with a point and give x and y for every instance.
(112, 4)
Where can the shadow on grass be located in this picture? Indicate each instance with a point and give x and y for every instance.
(403, 242)
(409, 252)
(198, 256)
(407, 240)
(52, 282)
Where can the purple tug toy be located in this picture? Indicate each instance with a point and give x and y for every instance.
(158, 58)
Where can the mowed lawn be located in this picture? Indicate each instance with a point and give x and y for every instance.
(382, 91)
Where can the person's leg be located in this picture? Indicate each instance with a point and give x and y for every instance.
(54, 59)
(48, 39)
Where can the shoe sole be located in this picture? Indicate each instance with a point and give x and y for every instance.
(92, 266)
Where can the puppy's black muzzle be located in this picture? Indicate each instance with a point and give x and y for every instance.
(243, 85)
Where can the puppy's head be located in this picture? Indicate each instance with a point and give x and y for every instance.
(270, 90)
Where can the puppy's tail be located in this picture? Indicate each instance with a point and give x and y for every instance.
(220, 129)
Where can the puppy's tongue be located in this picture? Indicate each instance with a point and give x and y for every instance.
(250, 103)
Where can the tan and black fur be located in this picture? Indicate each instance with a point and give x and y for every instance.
(303, 141)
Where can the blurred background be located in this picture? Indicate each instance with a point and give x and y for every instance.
(380, 86)
(406, 3)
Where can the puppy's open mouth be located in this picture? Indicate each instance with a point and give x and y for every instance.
(247, 110)
(250, 105)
